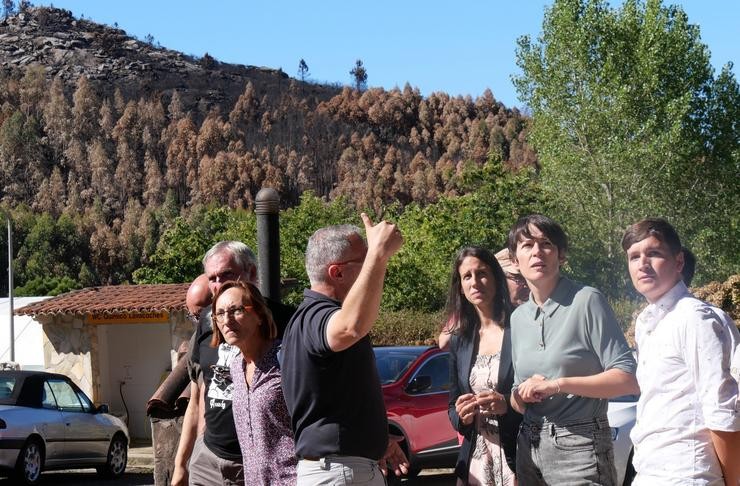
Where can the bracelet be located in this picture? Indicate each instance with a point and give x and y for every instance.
(557, 382)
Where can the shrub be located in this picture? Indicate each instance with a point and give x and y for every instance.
(406, 328)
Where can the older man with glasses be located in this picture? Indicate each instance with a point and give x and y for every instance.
(215, 457)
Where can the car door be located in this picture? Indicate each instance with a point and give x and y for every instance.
(50, 423)
(430, 421)
(85, 439)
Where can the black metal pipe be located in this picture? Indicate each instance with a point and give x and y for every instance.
(267, 209)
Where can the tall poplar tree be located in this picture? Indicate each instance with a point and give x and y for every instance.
(628, 122)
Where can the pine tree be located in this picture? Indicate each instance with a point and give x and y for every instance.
(359, 75)
(303, 70)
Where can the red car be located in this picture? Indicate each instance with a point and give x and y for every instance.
(416, 388)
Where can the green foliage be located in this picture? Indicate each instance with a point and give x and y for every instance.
(628, 122)
(297, 224)
(419, 275)
(50, 254)
(626, 310)
(47, 286)
(181, 248)
(178, 257)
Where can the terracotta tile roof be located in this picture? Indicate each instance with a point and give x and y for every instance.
(112, 299)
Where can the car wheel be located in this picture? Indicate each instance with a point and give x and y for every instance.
(630, 473)
(30, 462)
(117, 458)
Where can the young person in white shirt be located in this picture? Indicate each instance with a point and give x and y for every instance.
(688, 416)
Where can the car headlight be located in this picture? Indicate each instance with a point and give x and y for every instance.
(615, 432)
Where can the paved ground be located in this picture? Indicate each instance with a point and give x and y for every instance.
(141, 464)
(143, 477)
(88, 477)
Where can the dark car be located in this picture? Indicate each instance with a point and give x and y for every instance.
(47, 422)
(416, 388)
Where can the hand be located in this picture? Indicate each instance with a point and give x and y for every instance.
(491, 402)
(536, 388)
(384, 239)
(394, 458)
(179, 477)
(466, 407)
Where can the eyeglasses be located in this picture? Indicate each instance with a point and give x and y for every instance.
(345, 262)
(223, 316)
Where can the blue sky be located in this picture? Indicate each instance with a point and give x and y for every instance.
(460, 47)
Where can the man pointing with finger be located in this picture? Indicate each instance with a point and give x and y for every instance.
(330, 381)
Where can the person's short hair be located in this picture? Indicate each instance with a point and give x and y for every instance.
(250, 296)
(657, 227)
(549, 228)
(242, 254)
(327, 245)
(689, 266)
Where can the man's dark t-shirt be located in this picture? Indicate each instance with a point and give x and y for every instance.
(334, 398)
(220, 434)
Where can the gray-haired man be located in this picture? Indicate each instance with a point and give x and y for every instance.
(215, 457)
(330, 381)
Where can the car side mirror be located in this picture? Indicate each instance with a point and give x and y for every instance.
(103, 408)
(419, 384)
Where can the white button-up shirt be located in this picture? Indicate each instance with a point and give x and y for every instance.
(683, 368)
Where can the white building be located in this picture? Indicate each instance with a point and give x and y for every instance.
(29, 336)
(117, 343)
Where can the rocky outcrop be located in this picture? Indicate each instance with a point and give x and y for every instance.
(70, 48)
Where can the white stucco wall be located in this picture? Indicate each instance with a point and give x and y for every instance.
(137, 355)
(29, 341)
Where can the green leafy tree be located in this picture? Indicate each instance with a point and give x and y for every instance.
(297, 224)
(182, 246)
(47, 286)
(50, 256)
(621, 101)
(419, 275)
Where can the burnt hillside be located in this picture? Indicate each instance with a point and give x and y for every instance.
(118, 136)
(69, 48)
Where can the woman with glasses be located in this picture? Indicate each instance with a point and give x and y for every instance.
(241, 318)
(481, 373)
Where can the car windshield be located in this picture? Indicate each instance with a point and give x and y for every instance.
(392, 362)
(7, 384)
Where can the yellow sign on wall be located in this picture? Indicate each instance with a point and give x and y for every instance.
(127, 318)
